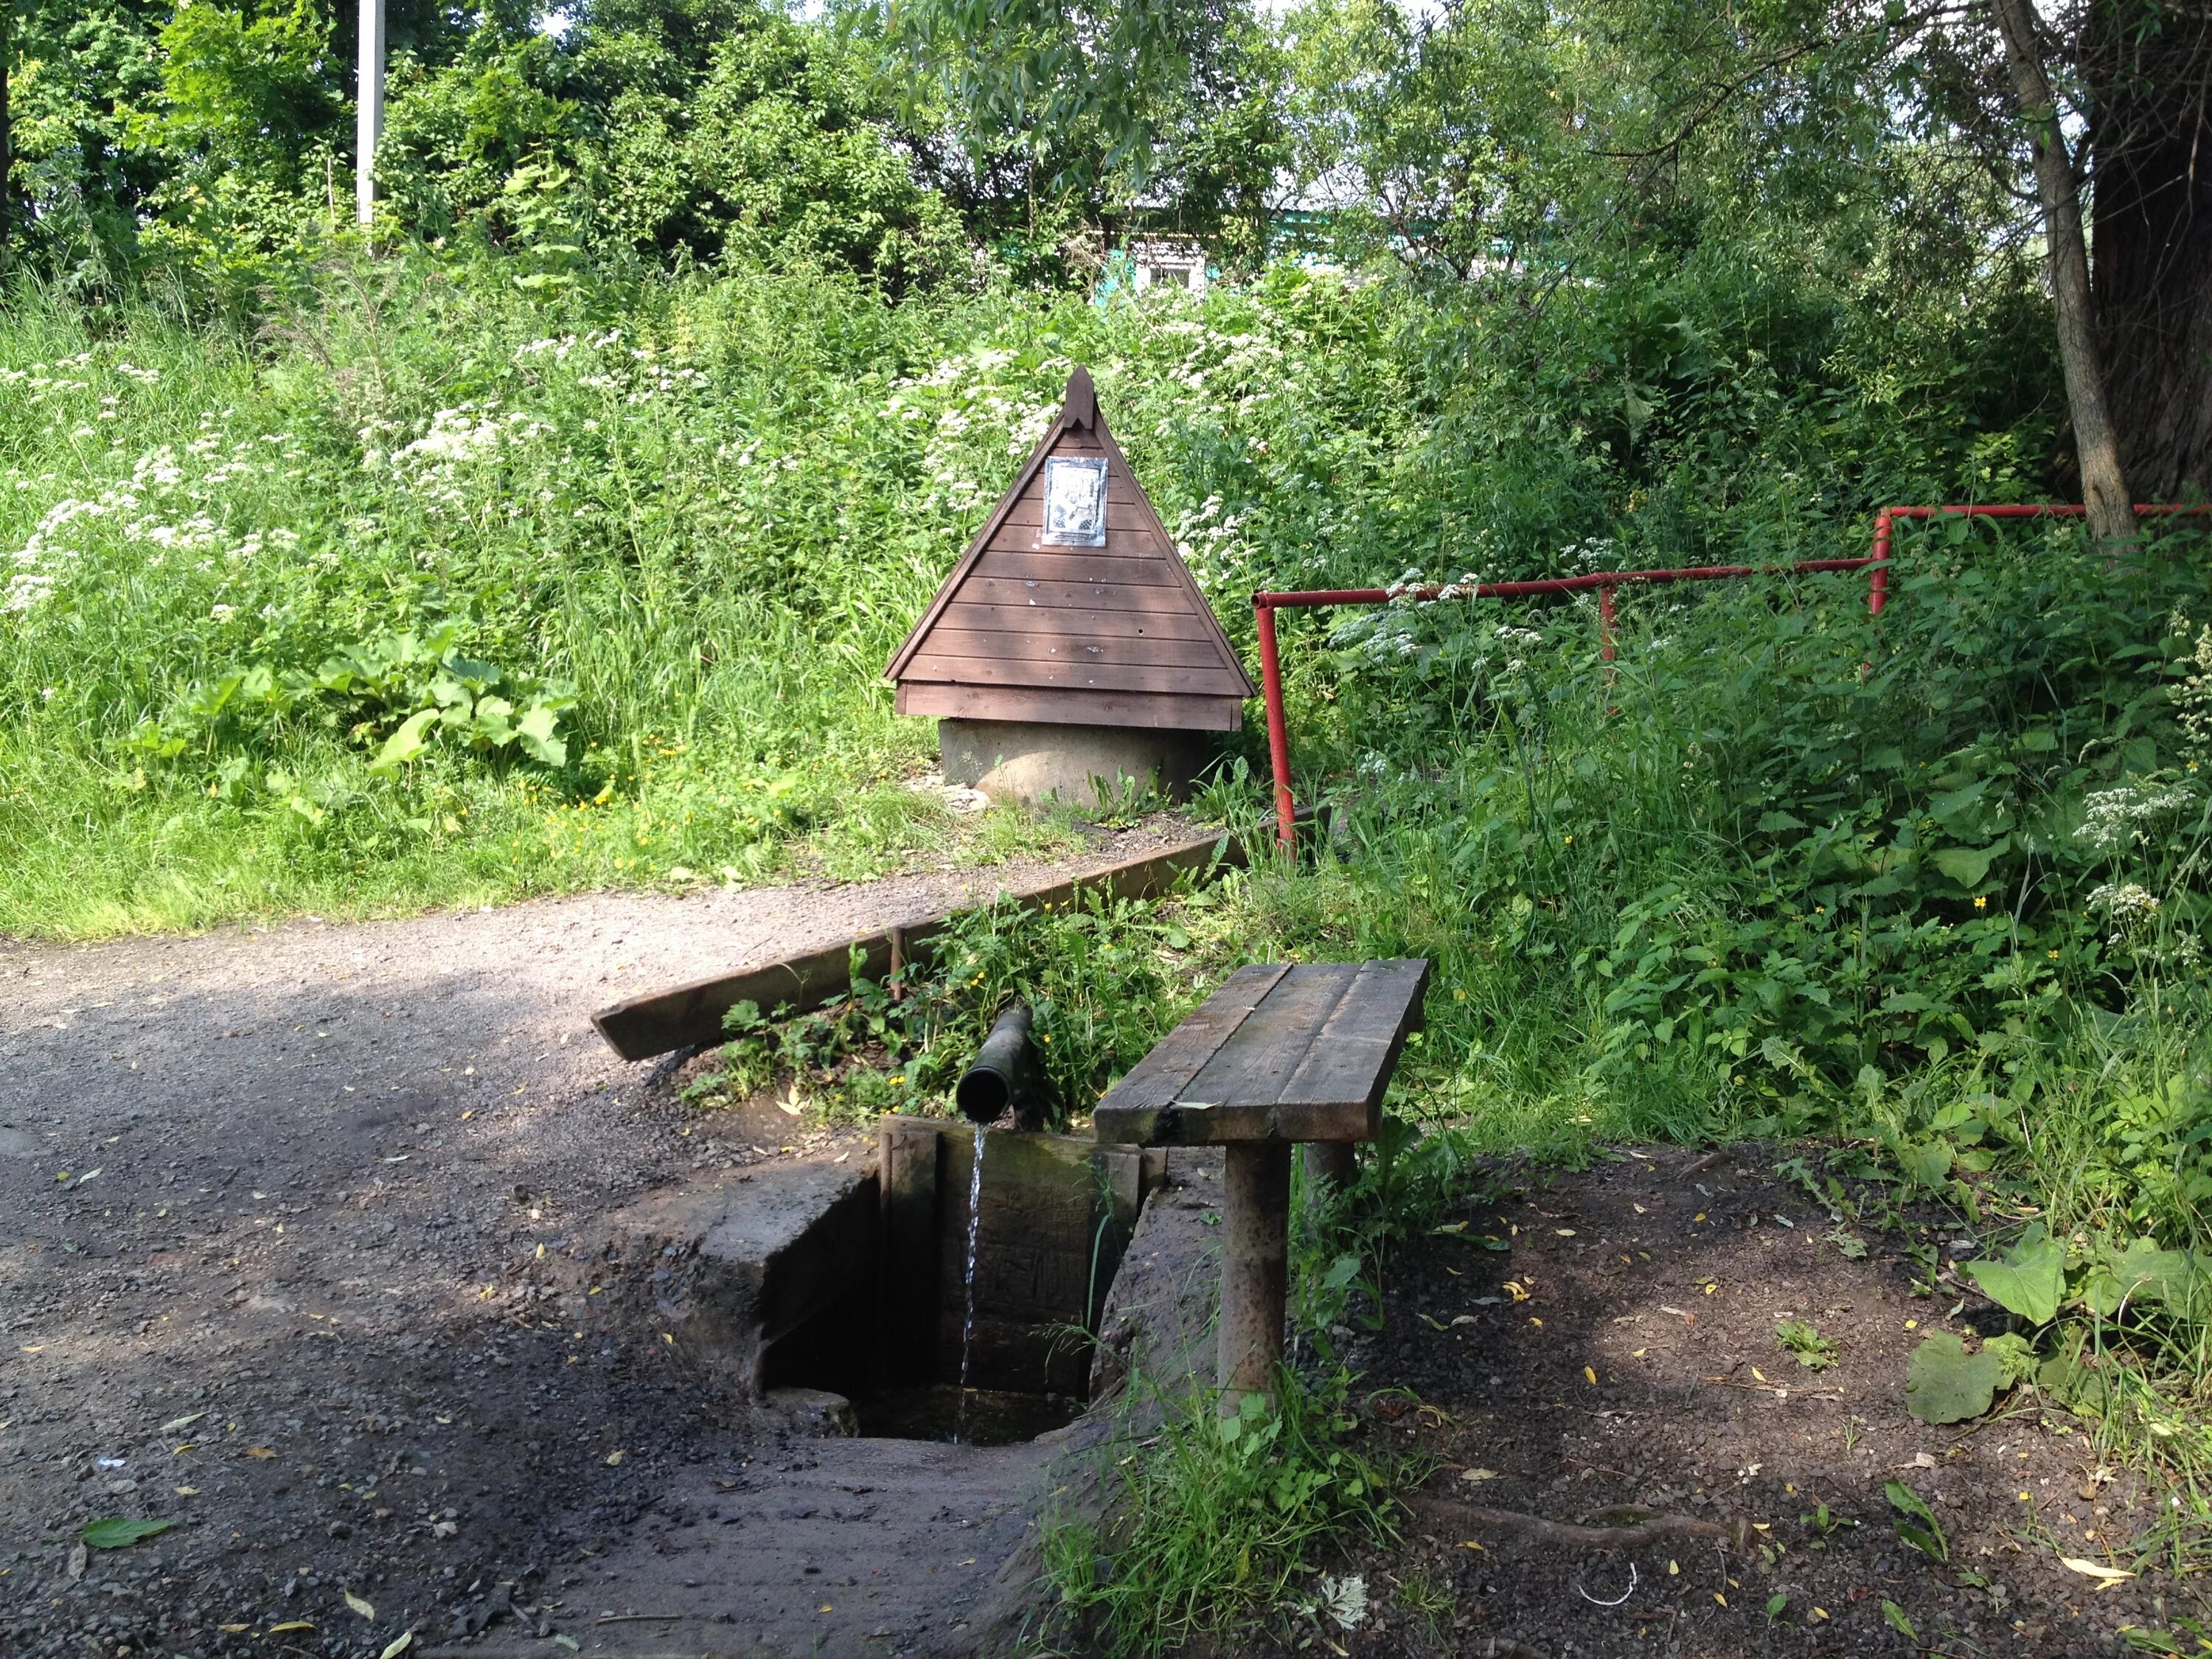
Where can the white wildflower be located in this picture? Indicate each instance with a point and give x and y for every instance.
(2195, 695)
(2114, 819)
(25, 590)
(2123, 899)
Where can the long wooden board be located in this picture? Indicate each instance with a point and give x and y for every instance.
(1057, 644)
(1075, 621)
(1070, 592)
(1077, 564)
(642, 1026)
(1122, 514)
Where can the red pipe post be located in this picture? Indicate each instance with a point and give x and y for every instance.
(1278, 732)
(1878, 577)
(1605, 623)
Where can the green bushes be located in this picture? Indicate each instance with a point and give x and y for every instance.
(1782, 870)
(1104, 979)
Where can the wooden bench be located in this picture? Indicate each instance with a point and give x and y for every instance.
(1278, 1055)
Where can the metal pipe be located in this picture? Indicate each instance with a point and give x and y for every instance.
(1878, 576)
(1279, 733)
(1265, 602)
(1005, 1072)
(368, 111)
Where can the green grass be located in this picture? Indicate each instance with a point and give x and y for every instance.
(690, 525)
(1210, 1522)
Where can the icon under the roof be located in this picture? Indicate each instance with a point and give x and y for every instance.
(1074, 502)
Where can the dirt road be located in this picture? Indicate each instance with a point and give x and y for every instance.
(295, 1238)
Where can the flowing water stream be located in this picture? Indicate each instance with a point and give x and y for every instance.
(967, 1325)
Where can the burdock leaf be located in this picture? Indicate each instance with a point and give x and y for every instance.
(409, 743)
(1943, 1384)
(2030, 1278)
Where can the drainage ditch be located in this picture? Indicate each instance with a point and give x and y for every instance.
(950, 1294)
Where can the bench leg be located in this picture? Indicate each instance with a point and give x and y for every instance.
(1256, 1180)
(1330, 1167)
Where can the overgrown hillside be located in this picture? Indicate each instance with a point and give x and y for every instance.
(629, 558)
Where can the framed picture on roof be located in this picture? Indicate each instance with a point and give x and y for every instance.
(1074, 502)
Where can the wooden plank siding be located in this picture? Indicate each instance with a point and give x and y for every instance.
(1068, 633)
(1053, 672)
(1074, 620)
(1083, 564)
(1123, 513)
(1180, 713)
(1069, 594)
(1027, 645)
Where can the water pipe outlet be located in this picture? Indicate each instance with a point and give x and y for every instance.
(1007, 1071)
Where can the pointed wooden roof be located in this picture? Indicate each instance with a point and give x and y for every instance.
(1117, 634)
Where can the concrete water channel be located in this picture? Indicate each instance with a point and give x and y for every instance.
(885, 1509)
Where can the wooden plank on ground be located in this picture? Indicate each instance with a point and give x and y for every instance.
(640, 1027)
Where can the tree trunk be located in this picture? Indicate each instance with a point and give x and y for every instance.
(2103, 484)
(2149, 79)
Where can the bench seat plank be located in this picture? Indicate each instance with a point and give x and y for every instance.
(1162, 1076)
(1298, 1054)
(1260, 1057)
(1351, 1062)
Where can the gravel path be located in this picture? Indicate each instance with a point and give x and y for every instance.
(296, 1237)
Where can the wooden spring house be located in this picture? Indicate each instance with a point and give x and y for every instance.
(1070, 643)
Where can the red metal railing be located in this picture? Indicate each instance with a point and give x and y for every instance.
(1265, 605)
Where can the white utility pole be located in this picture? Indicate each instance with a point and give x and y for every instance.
(368, 129)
